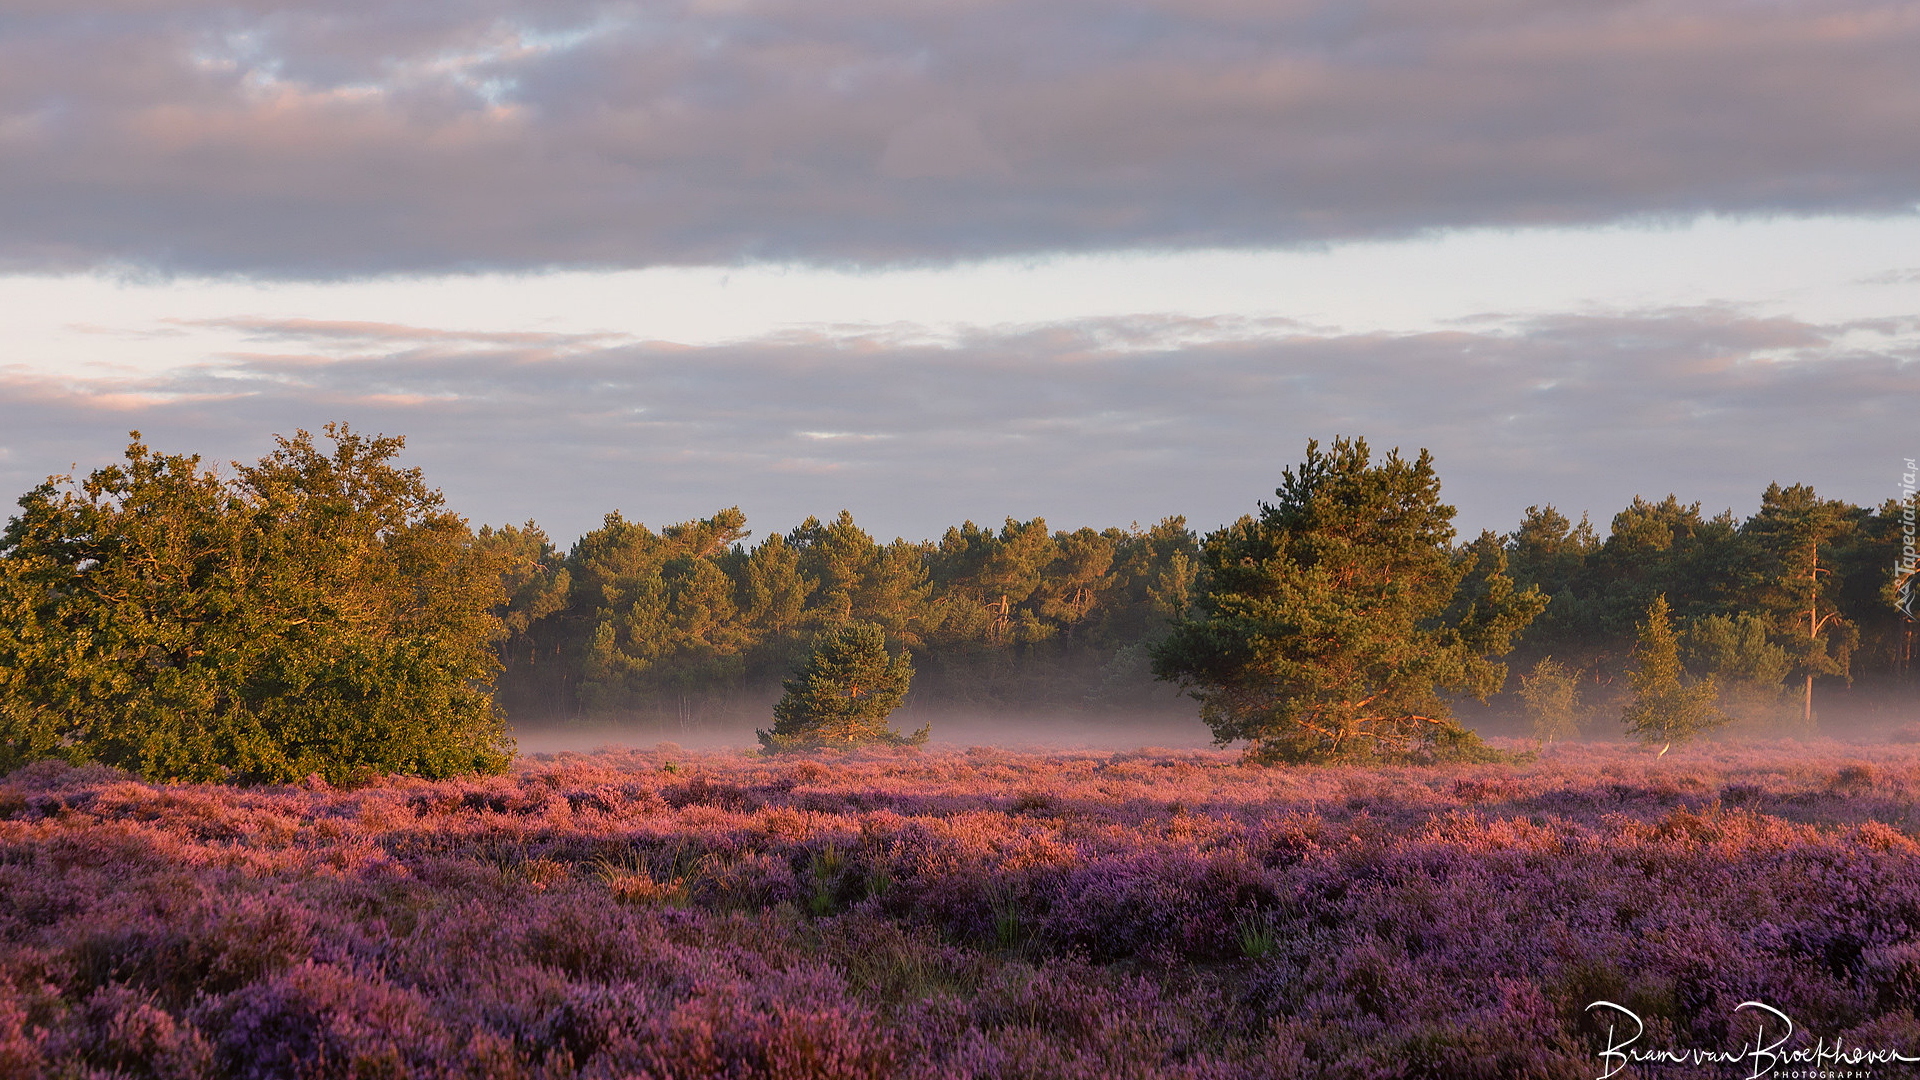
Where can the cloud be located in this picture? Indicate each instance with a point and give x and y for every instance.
(307, 139)
(943, 145)
(394, 340)
(1893, 277)
(1083, 423)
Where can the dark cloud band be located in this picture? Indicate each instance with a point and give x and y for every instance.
(341, 138)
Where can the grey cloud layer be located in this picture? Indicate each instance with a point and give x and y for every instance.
(1084, 423)
(352, 137)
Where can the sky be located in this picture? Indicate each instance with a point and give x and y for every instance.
(1093, 262)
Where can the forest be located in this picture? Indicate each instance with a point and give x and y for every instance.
(697, 618)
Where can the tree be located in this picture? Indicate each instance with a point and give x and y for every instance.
(837, 556)
(1336, 623)
(652, 615)
(1551, 695)
(1072, 586)
(535, 579)
(842, 693)
(1791, 533)
(1551, 552)
(1667, 707)
(775, 596)
(314, 613)
(1664, 548)
(1749, 670)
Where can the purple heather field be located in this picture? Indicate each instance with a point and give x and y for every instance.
(668, 913)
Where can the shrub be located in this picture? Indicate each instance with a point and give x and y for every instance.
(1458, 924)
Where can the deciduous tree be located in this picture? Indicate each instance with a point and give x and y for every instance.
(313, 613)
(1667, 707)
(1550, 692)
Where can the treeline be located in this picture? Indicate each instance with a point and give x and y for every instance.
(258, 609)
(695, 618)
(1779, 609)
(321, 611)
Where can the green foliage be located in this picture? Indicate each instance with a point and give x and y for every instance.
(1736, 648)
(1601, 589)
(1257, 935)
(1805, 581)
(1791, 580)
(858, 579)
(691, 616)
(650, 612)
(842, 693)
(1551, 553)
(1667, 707)
(1747, 666)
(1551, 693)
(1334, 625)
(536, 581)
(314, 613)
(1666, 548)
(1879, 591)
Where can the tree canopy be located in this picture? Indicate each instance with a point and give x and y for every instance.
(313, 613)
(1336, 623)
(635, 620)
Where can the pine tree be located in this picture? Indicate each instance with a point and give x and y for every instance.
(1552, 552)
(1336, 623)
(1792, 579)
(842, 693)
(1667, 707)
(652, 616)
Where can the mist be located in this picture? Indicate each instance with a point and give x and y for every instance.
(1861, 718)
(1169, 725)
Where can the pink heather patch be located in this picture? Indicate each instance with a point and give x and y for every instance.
(957, 914)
